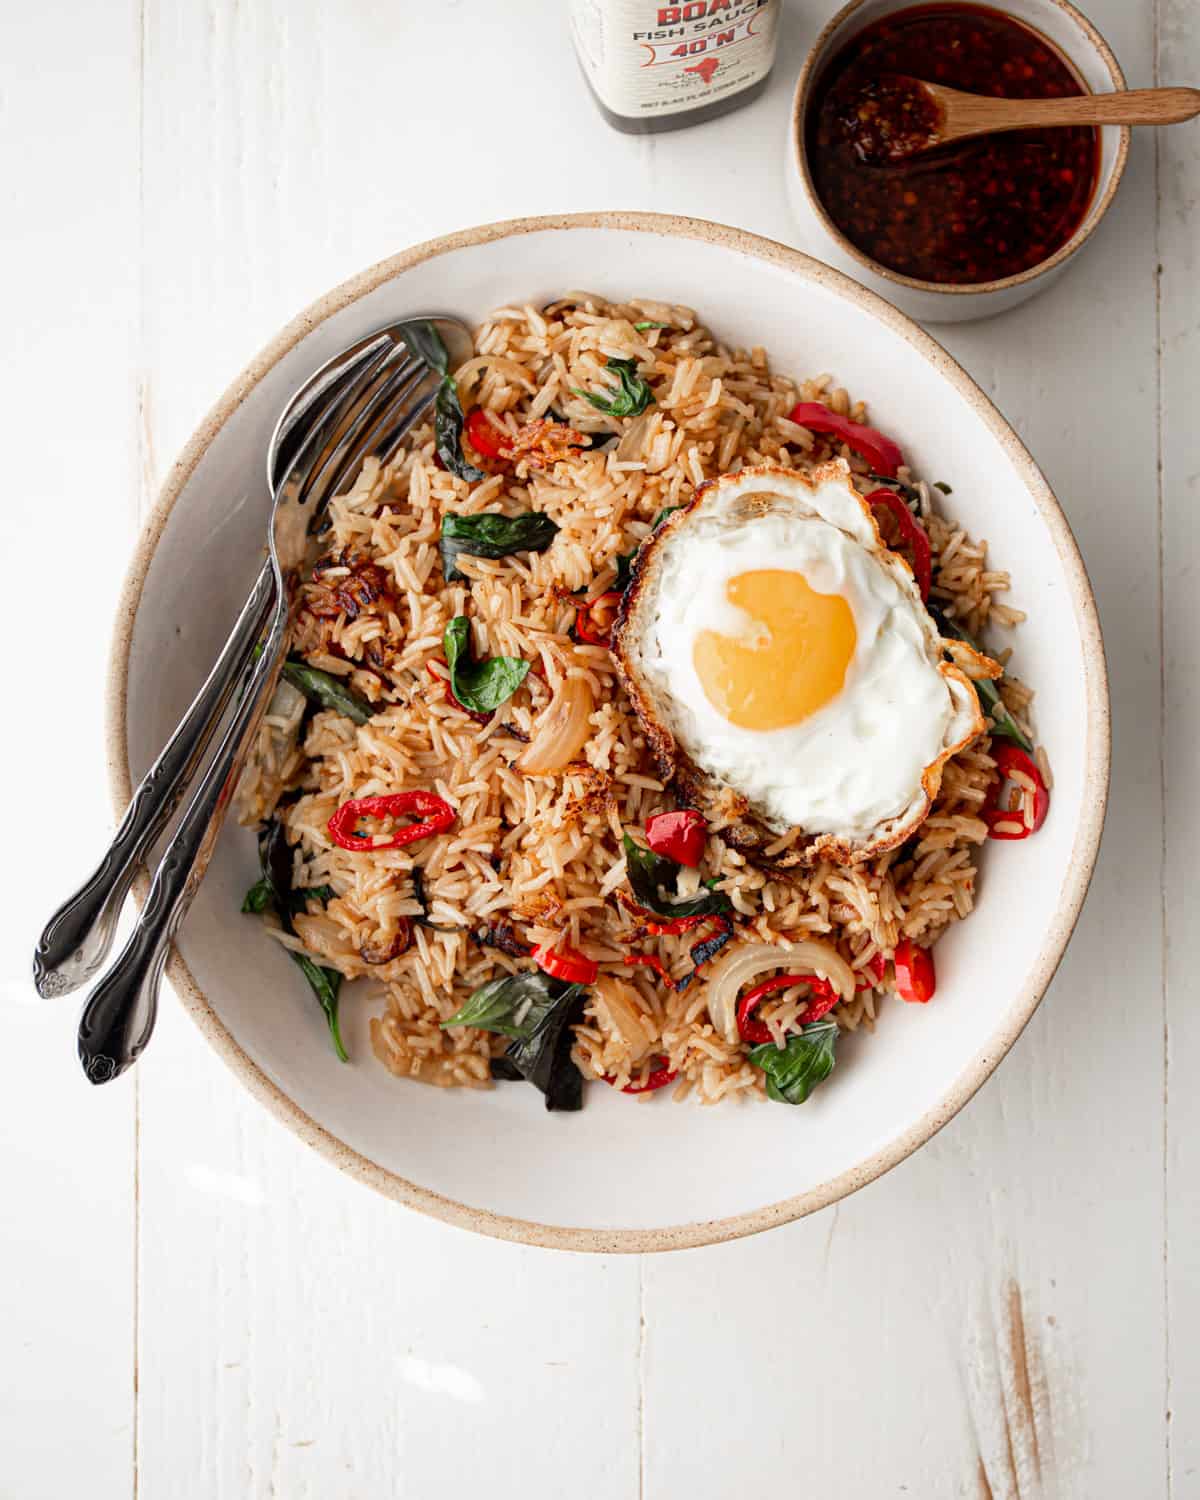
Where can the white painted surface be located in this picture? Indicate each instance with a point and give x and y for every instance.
(194, 1306)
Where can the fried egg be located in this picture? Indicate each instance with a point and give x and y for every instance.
(785, 670)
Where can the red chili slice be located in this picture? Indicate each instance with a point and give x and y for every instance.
(567, 964)
(679, 835)
(650, 961)
(483, 436)
(659, 1078)
(824, 998)
(880, 452)
(594, 621)
(915, 978)
(675, 926)
(877, 968)
(702, 951)
(708, 948)
(436, 816)
(912, 533)
(1010, 759)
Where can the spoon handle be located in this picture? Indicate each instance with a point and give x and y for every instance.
(119, 1016)
(77, 938)
(1130, 107)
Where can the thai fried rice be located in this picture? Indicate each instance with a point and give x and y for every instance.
(536, 859)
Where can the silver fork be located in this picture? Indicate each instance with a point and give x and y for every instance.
(77, 939)
(390, 389)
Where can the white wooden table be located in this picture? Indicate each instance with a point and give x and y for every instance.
(191, 1304)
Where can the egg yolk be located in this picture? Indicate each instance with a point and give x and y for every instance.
(793, 663)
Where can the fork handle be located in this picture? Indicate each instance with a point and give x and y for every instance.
(119, 1016)
(77, 938)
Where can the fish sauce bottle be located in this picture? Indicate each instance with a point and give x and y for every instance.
(657, 67)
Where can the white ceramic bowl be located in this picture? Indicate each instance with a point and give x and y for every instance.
(1074, 36)
(619, 1175)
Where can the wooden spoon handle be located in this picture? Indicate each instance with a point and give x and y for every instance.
(1131, 107)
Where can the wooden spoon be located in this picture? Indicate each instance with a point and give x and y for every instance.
(914, 116)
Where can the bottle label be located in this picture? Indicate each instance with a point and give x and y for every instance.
(645, 59)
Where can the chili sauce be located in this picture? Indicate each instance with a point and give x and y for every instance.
(973, 211)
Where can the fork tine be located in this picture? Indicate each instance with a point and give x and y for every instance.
(326, 431)
(332, 384)
(370, 432)
(396, 435)
(344, 453)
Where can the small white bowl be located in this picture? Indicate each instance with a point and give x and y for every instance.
(621, 1175)
(933, 302)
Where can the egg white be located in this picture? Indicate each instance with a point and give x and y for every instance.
(856, 764)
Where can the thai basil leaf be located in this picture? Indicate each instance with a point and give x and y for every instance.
(545, 1058)
(326, 691)
(299, 899)
(422, 917)
(564, 1081)
(992, 703)
(493, 535)
(480, 686)
(274, 891)
(425, 342)
(275, 860)
(537, 1011)
(259, 898)
(649, 871)
(447, 426)
(631, 396)
(795, 1070)
(662, 516)
(325, 984)
(515, 1005)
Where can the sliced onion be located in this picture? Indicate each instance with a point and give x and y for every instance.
(562, 729)
(466, 375)
(630, 446)
(615, 998)
(324, 937)
(749, 960)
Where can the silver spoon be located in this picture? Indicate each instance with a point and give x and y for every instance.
(77, 938)
(368, 412)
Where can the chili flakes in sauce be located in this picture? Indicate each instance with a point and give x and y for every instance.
(980, 209)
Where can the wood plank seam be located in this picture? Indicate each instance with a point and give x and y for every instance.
(1156, 58)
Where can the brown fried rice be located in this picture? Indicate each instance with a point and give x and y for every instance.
(539, 857)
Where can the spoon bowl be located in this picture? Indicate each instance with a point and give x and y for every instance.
(900, 117)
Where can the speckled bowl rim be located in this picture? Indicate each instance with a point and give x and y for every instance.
(1087, 838)
(818, 54)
